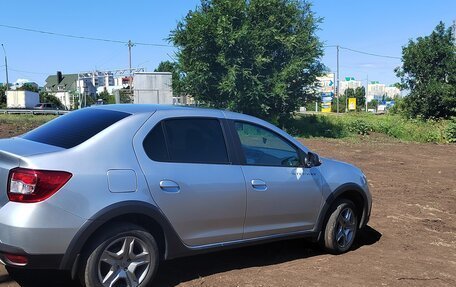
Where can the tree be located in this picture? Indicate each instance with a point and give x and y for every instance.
(372, 104)
(172, 67)
(360, 95)
(48, 98)
(259, 57)
(106, 97)
(125, 96)
(28, 87)
(2, 97)
(429, 72)
(342, 104)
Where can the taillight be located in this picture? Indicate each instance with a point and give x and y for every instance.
(28, 185)
(17, 260)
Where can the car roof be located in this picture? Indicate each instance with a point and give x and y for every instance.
(187, 110)
(148, 108)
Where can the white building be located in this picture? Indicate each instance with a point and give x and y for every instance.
(392, 92)
(66, 87)
(153, 88)
(21, 99)
(349, 83)
(375, 91)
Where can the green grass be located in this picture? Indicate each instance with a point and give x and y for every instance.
(348, 125)
(25, 122)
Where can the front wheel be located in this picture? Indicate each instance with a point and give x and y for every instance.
(126, 255)
(341, 227)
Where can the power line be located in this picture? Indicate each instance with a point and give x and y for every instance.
(370, 54)
(81, 37)
(27, 72)
(362, 52)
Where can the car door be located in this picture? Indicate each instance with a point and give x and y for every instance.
(187, 165)
(282, 196)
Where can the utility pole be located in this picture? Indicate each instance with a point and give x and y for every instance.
(367, 91)
(6, 68)
(337, 81)
(130, 45)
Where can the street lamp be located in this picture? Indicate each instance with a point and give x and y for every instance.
(6, 68)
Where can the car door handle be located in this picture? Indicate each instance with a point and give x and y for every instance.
(259, 185)
(169, 186)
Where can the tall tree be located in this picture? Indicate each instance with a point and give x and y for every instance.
(259, 57)
(106, 97)
(429, 72)
(28, 87)
(360, 95)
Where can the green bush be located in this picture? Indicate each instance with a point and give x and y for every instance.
(351, 124)
(360, 127)
(450, 131)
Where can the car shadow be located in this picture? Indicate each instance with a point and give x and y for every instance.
(5, 279)
(174, 272)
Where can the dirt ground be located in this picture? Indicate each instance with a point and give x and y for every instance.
(410, 240)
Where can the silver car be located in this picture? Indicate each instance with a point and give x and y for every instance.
(108, 192)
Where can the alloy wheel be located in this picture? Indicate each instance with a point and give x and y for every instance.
(345, 229)
(124, 262)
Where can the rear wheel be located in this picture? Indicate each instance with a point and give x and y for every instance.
(126, 255)
(341, 227)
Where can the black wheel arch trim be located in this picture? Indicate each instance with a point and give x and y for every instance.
(173, 244)
(347, 187)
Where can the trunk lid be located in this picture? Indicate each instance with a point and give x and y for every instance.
(13, 153)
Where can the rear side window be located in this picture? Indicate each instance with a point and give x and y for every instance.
(155, 144)
(74, 128)
(187, 140)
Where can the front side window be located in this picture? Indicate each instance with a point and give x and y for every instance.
(264, 147)
(187, 140)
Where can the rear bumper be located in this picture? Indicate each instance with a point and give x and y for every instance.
(39, 232)
(45, 261)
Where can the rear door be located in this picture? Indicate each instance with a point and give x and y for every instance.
(282, 196)
(188, 168)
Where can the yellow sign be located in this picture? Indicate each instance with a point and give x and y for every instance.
(351, 104)
(326, 107)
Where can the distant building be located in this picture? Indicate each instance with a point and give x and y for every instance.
(152, 88)
(349, 83)
(21, 99)
(376, 91)
(66, 86)
(392, 92)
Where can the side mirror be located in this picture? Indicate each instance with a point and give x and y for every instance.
(311, 159)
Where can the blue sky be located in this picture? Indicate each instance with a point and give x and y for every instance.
(380, 27)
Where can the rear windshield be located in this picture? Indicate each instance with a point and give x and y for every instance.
(74, 128)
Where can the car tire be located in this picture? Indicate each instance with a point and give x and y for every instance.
(341, 227)
(125, 253)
